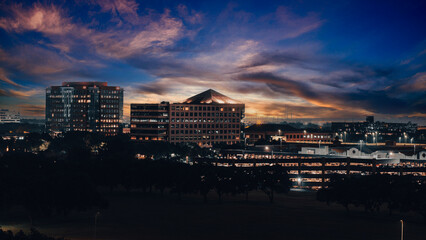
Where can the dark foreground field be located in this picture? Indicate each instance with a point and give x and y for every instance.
(294, 216)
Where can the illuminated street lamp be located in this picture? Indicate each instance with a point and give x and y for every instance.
(267, 149)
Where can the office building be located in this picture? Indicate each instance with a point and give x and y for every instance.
(7, 116)
(84, 106)
(207, 118)
(370, 119)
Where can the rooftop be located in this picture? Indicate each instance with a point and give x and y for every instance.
(210, 97)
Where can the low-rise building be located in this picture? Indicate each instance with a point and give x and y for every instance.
(7, 116)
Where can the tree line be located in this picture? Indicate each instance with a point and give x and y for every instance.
(67, 175)
(33, 235)
(374, 192)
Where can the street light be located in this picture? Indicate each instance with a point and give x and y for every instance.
(267, 149)
(402, 229)
(96, 221)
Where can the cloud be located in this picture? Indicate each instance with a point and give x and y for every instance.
(153, 88)
(4, 78)
(31, 110)
(121, 9)
(158, 32)
(46, 19)
(20, 93)
(297, 25)
(376, 101)
(35, 60)
(274, 58)
(417, 83)
(192, 17)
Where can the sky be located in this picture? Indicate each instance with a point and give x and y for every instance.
(318, 60)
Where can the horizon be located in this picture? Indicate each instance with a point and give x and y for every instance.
(277, 58)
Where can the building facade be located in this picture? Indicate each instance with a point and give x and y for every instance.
(284, 132)
(7, 116)
(207, 118)
(84, 106)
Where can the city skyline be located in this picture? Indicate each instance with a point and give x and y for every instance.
(297, 57)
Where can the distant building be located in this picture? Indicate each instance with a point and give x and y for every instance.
(207, 118)
(285, 132)
(84, 106)
(265, 131)
(7, 116)
(369, 119)
(350, 127)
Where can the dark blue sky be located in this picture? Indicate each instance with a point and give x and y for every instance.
(316, 59)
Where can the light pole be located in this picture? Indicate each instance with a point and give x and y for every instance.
(402, 229)
(272, 151)
(304, 136)
(360, 147)
(414, 149)
(96, 221)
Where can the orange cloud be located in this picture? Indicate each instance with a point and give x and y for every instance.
(45, 19)
(4, 78)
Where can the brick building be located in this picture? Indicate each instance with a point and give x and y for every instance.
(207, 118)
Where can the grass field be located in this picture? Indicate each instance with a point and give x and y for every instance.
(297, 215)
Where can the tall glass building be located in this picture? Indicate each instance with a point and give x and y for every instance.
(84, 106)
